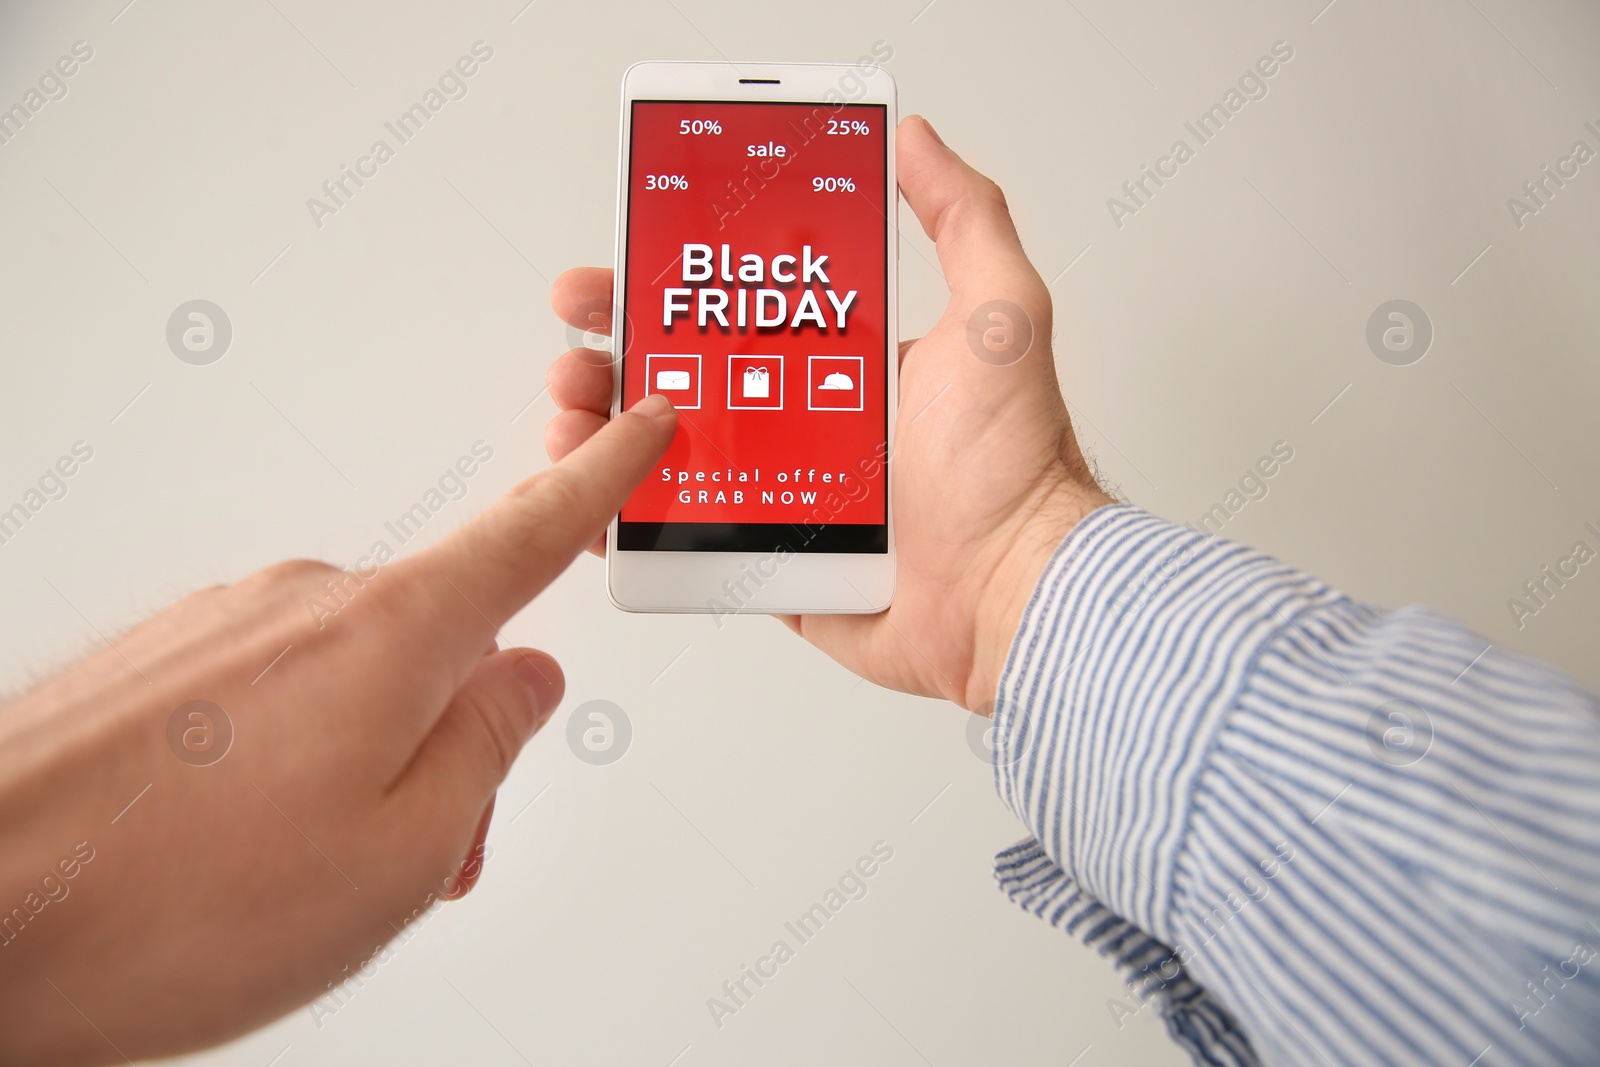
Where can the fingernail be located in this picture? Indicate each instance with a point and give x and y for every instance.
(653, 406)
(934, 132)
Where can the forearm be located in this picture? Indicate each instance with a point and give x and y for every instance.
(1196, 734)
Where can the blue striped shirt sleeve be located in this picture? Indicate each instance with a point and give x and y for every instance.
(1307, 831)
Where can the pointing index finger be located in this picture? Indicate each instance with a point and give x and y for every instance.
(476, 579)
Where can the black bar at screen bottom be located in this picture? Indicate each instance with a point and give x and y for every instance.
(750, 537)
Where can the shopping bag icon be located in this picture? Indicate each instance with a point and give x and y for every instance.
(672, 380)
(756, 383)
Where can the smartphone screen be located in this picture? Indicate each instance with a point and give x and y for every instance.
(755, 290)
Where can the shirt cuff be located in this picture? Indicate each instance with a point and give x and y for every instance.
(1131, 654)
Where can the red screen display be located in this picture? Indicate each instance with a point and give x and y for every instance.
(755, 297)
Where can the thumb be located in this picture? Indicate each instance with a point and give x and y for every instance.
(484, 573)
(469, 751)
(965, 214)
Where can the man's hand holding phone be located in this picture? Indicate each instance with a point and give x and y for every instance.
(988, 477)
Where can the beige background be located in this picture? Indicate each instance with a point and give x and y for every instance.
(1223, 317)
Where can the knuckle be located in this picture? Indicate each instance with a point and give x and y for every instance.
(203, 596)
(389, 601)
(287, 577)
(292, 571)
(970, 203)
(989, 190)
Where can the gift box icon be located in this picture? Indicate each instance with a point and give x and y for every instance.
(755, 381)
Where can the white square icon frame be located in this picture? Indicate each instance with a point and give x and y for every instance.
(860, 390)
(650, 381)
(774, 374)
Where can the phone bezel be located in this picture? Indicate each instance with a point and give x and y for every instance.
(758, 582)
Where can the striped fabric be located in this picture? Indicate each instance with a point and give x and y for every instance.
(1306, 830)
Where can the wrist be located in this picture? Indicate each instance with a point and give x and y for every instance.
(1024, 549)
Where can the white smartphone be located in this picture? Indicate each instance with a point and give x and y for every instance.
(756, 263)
